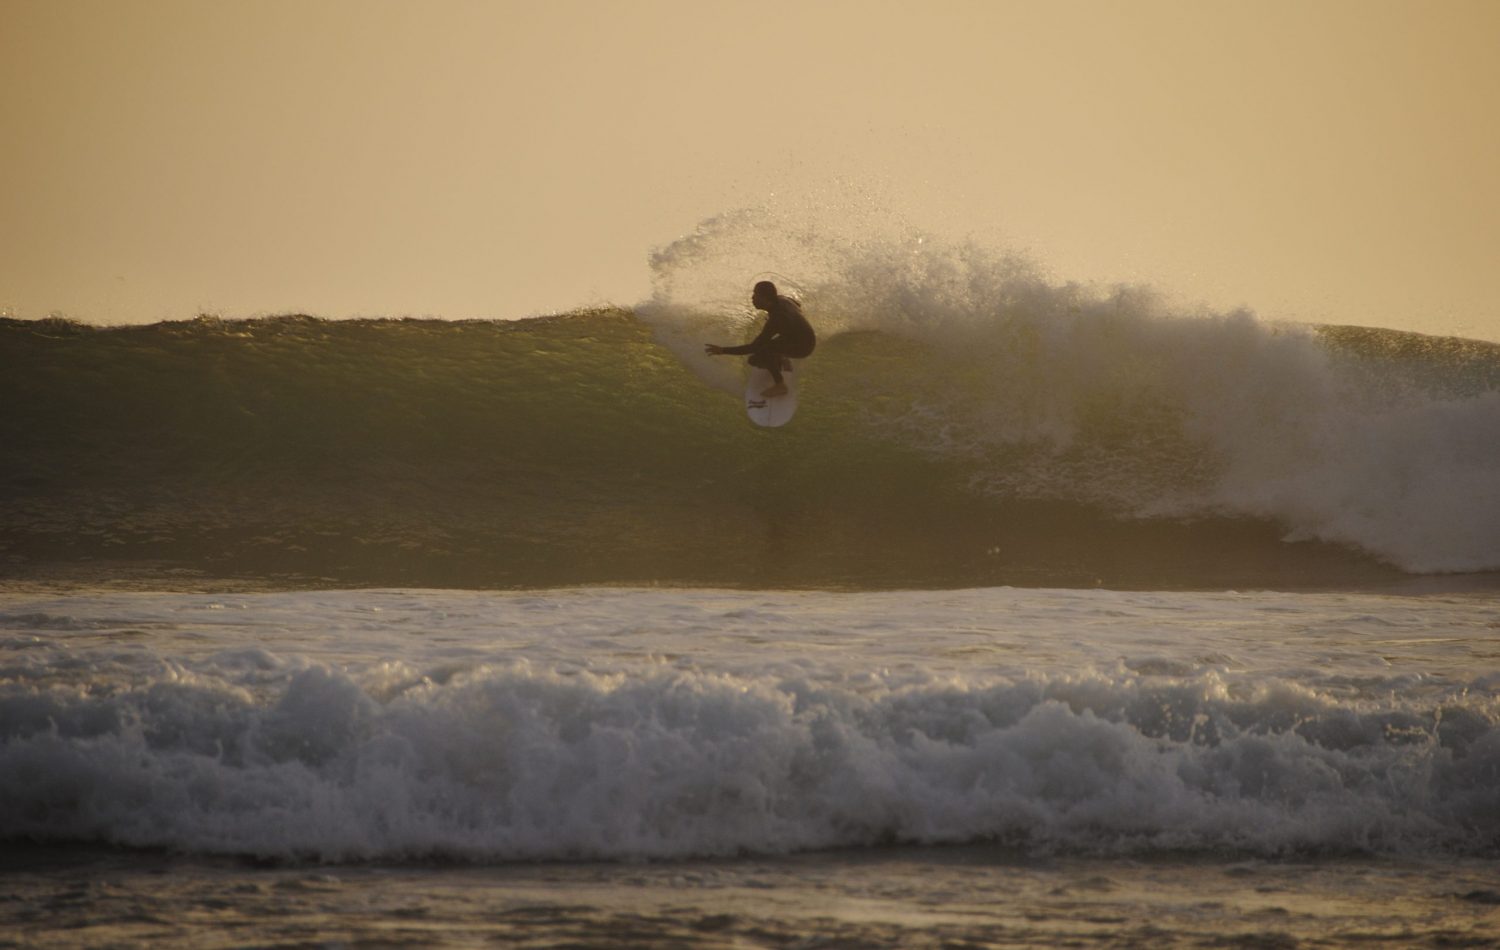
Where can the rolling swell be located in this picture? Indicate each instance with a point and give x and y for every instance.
(579, 450)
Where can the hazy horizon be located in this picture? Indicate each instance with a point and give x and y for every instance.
(1328, 162)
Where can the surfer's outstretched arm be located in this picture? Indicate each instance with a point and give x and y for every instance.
(761, 339)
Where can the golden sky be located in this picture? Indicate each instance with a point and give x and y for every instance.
(1315, 160)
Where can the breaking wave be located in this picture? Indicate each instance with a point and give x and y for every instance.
(965, 421)
(253, 753)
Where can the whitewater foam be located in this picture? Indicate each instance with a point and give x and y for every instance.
(621, 724)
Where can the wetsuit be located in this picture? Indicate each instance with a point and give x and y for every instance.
(786, 335)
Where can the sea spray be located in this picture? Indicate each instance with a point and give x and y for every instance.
(1114, 397)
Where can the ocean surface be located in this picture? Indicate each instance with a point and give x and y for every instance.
(1132, 452)
(992, 767)
(1059, 616)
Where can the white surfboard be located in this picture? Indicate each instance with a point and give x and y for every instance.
(776, 411)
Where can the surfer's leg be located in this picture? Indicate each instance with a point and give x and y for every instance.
(768, 358)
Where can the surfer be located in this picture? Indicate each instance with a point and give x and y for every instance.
(786, 336)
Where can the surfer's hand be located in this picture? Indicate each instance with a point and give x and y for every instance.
(712, 349)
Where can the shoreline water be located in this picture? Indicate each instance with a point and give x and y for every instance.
(1111, 768)
(148, 577)
(968, 896)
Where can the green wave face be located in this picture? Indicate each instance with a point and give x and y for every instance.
(581, 450)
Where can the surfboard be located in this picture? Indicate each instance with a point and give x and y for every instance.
(773, 412)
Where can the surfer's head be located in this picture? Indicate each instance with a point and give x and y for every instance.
(763, 295)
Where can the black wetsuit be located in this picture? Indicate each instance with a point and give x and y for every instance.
(786, 335)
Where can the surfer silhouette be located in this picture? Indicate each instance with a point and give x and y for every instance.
(786, 336)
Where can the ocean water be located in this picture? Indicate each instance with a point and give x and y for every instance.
(966, 421)
(1007, 767)
(1059, 616)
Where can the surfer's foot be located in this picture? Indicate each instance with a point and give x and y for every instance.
(778, 390)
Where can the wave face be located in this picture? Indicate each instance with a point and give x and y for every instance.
(964, 422)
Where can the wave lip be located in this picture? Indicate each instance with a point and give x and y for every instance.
(253, 754)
